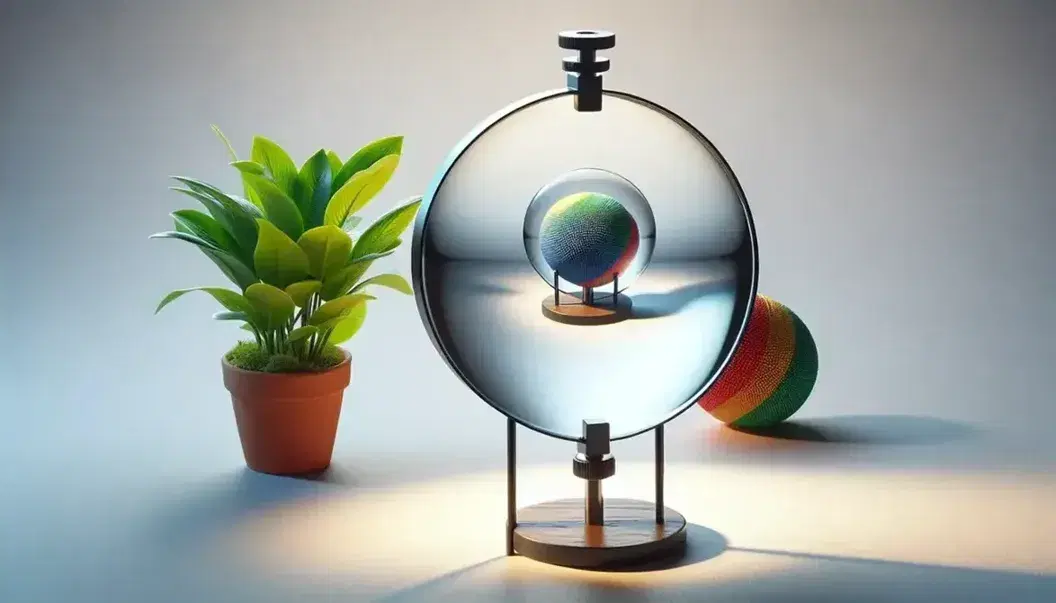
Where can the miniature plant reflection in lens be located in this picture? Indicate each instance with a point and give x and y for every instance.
(627, 200)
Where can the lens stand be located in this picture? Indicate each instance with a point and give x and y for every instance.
(587, 308)
(593, 533)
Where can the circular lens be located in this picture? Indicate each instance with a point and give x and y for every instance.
(589, 226)
(629, 197)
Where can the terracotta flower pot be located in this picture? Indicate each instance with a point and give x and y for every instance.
(287, 421)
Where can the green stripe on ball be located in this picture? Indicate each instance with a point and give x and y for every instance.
(796, 386)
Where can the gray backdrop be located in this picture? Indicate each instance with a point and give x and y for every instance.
(898, 157)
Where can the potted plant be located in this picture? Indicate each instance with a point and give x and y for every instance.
(290, 246)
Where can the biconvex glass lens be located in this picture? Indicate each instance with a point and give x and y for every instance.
(630, 194)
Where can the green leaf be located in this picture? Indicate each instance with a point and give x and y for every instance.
(232, 316)
(348, 326)
(367, 156)
(331, 313)
(301, 333)
(251, 194)
(230, 220)
(381, 235)
(216, 209)
(359, 190)
(391, 249)
(340, 283)
(229, 202)
(315, 179)
(237, 216)
(232, 267)
(205, 227)
(227, 143)
(278, 260)
(327, 248)
(249, 167)
(392, 281)
(335, 162)
(277, 163)
(183, 236)
(302, 290)
(273, 306)
(232, 300)
(279, 208)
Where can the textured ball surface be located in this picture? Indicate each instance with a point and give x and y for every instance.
(587, 238)
(770, 375)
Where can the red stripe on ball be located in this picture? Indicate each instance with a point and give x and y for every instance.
(742, 367)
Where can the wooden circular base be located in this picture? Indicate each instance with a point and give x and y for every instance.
(572, 310)
(554, 532)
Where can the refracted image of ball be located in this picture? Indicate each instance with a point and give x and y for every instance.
(770, 375)
(588, 238)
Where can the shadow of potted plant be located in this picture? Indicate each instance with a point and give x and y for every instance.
(289, 245)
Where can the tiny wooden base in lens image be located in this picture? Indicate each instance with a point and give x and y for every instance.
(554, 532)
(573, 311)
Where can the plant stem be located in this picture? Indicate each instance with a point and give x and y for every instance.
(306, 311)
(317, 347)
(320, 344)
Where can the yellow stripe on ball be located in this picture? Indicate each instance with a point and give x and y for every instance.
(780, 347)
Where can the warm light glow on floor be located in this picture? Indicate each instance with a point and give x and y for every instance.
(415, 533)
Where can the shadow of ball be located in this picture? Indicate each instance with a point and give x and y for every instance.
(770, 375)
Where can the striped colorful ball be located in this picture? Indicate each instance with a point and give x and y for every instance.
(770, 375)
(587, 238)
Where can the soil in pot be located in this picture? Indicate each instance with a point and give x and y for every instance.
(287, 421)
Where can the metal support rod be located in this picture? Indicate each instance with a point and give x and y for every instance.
(615, 289)
(595, 510)
(592, 464)
(659, 453)
(511, 483)
(557, 291)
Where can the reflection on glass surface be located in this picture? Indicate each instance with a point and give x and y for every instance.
(691, 280)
